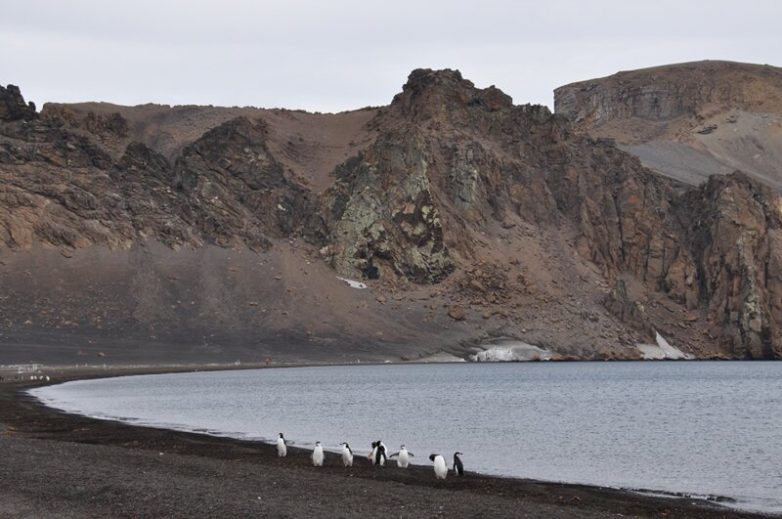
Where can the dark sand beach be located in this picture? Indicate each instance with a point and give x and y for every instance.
(58, 465)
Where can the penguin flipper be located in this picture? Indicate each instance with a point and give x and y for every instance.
(393, 454)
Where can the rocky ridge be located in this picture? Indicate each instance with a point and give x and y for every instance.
(469, 218)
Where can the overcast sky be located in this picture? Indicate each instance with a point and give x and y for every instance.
(342, 54)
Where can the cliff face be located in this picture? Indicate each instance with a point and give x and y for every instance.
(670, 92)
(733, 232)
(687, 121)
(468, 217)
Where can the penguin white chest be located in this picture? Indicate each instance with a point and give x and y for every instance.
(440, 468)
(347, 457)
(404, 459)
(317, 456)
(282, 450)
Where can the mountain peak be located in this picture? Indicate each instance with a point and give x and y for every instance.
(421, 78)
(438, 93)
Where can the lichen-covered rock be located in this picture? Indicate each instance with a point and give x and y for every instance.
(381, 213)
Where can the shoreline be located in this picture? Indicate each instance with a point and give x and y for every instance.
(35, 426)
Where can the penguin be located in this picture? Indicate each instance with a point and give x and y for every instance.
(282, 450)
(458, 468)
(440, 468)
(317, 455)
(347, 455)
(381, 454)
(371, 455)
(403, 459)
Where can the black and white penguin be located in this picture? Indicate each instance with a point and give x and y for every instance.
(403, 459)
(347, 455)
(317, 455)
(379, 453)
(371, 455)
(440, 468)
(458, 468)
(282, 450)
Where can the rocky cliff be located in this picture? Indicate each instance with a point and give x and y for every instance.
(170, 233)
(687, 121)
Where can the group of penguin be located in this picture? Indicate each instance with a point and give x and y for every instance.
(378, 456)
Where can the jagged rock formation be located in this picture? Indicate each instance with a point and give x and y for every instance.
(687, 121)
(12, 105)
(469, 217)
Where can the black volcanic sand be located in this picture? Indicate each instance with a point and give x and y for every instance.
(58, 465)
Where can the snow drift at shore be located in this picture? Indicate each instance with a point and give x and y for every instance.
(511, 351)
(662, 350)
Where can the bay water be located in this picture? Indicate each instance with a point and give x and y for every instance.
(700, 428)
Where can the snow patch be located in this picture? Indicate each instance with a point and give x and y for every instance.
(353, 283)
(511, 351)
(662, 350)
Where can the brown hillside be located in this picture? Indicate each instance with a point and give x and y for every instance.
(218, 234)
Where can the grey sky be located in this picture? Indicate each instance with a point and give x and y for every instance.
(343, 54)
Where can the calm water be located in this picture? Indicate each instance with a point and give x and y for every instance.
(702, 428)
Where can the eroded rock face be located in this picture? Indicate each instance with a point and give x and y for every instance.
(237, 190)
(668, 92)
(734, 237)
(13, 107)
(716, 247)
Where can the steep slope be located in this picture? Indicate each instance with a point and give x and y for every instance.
(687, 121)
(470, 219)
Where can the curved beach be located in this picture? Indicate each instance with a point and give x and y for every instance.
(56, 464)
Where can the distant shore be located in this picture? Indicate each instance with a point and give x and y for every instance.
(56, 464)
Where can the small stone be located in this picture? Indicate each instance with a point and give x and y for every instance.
(457, 313)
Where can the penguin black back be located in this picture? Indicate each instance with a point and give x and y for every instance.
(457, 464)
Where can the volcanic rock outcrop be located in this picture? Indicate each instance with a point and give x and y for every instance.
(12, 105)
(230, 237)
